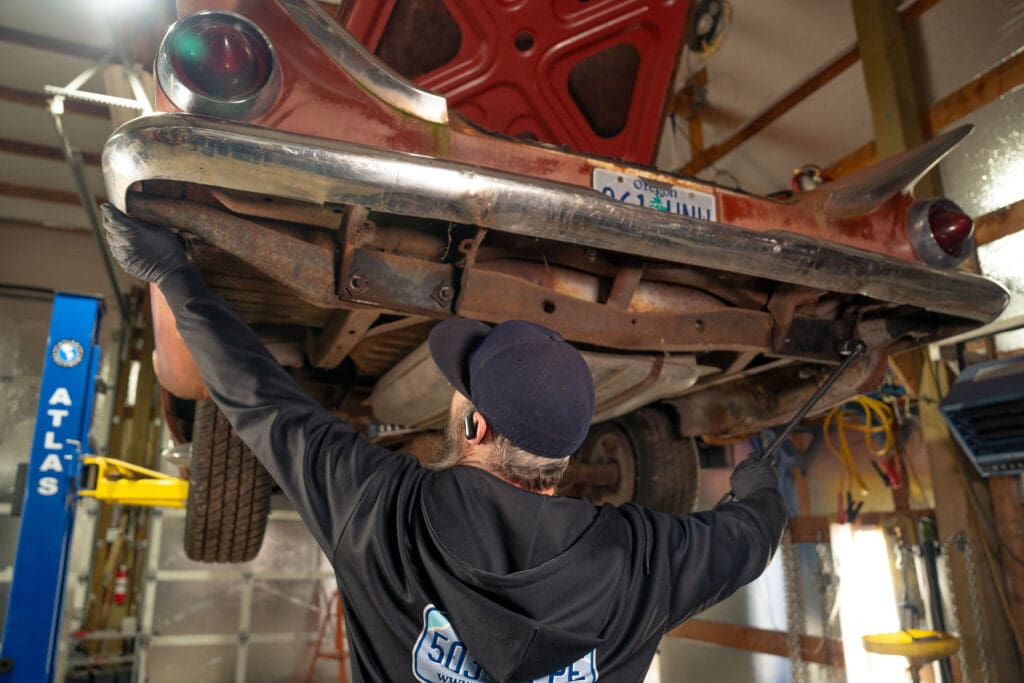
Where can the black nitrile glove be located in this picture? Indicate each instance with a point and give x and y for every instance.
(148, 252)
(753, 474)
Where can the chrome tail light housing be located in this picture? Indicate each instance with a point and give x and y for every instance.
(940, 232)
(220, 64)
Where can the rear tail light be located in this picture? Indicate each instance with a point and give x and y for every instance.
(218, 63)
(940, 232)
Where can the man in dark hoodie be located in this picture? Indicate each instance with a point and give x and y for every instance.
(472, 570)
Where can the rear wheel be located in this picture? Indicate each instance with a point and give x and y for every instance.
(637, 458)
(228, 494)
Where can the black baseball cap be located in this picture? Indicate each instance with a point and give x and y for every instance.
(531, 385)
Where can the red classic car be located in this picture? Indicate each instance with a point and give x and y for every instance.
(343, 210)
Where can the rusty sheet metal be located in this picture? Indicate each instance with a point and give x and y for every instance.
(641, 296)
(338, 104)
(302, 260)
(771, 398)
(277, 209)
(624, 287)
(343, 331)
(241, 157)
(486, 296)
(375, 355)
(398, 282)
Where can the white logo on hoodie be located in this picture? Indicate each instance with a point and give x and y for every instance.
(440, 656)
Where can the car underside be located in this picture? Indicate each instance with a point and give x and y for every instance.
(343, 226)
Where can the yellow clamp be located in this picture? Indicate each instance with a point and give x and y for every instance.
(117, 481)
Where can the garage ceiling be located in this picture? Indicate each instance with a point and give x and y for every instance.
(770, 48)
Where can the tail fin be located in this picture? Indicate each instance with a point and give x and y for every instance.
(860, 192)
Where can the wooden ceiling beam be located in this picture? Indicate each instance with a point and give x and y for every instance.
(32, 149)
(795, 97)
(815, 528)
(38, 99)
(51, 44)
(774, 112)
(986, 88)
(689, 104)
(999, 223)
(891, 83)
(42, 194)
(813, 648)
(8, 222)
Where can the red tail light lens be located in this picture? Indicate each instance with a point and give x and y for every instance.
(225, 61)
(951, 227)
(217, 63)
(940, 232)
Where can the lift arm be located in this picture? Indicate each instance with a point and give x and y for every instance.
(117, 481)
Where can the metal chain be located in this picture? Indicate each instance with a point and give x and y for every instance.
(794, 607)
(954, 614)
(827, 594)
(960, 541)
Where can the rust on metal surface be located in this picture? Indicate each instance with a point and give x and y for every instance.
(395, 325)
(783, 306)
(330, 103)
(301, 259)
(343, 331)
(603, 469)
(594, 475)
(279, 209)
(376, 355)
(739, 363)
(749, 405)
(624, 288)
(401, 283)
(628, 293)
(485, 296)
(738, 290)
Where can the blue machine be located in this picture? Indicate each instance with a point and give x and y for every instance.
(32, 628)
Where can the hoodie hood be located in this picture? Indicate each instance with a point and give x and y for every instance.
(500, 573)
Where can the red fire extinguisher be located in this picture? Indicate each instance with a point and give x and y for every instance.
(121, 584)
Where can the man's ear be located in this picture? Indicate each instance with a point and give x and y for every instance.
(476, 435)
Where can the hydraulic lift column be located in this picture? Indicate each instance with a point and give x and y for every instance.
(32, 628)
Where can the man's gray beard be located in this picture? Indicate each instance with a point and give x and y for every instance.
(449, 453)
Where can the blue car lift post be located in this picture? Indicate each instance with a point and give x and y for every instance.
(32, 628)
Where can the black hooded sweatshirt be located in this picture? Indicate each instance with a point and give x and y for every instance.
(456, 576)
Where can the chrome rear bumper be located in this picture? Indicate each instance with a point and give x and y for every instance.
(235, 156)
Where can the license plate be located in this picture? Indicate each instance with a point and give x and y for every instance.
(633, 189)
